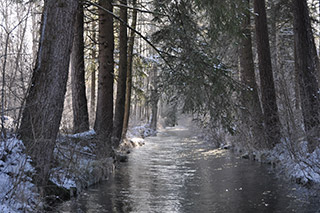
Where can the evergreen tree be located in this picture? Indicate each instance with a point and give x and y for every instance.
(44, 102)
(129, 72)
(268, 94)
(79, 99)
(122, 77)
(104, 113)
(306, 63)
(252, 112)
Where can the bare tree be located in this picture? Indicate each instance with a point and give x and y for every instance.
(9, 76)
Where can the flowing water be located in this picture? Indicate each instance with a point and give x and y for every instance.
(175, 172)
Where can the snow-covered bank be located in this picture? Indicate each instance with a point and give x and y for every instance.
(75, 168)
(17, 192)
(298, 165)
(290, 158)
(135, 138)
(78, 166)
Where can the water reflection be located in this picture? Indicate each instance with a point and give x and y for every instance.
(177, 173)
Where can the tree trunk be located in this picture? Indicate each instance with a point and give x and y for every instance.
(104, 112)
(44, 102)
(154, 99)
(93, 74)
(121, 83)
(129, 72)
(269, 103)
(252, 113)
(78, 84)
(306, 68)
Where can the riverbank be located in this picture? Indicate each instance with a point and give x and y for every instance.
(290, 158)
(75, 168)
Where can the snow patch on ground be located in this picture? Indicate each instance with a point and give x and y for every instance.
(301, 166)
(83, 135)
(294, 163)
(135, 138)
(141, 132)
(17, 192)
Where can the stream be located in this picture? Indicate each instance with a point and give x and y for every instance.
(176, 172)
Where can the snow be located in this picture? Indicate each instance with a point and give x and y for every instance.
(83, 134)
(294, 163)
(62, 178)
(8, 123)
(140, 132)
(17, 192)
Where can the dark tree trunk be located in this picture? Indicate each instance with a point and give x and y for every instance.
(154, 99)
(44, 102)
(268, 94)
(129, 72)
(252, 113)
(104, 112)
(79, 99)
(121, 83)
(306, 68)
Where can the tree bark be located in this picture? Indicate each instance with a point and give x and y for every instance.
(129, 72)
(104, 112)
(93, 74)
(78, 84)
(154, 99)
(252, 113)
(44, 102)
(121, 83)
(307, 73)
(268, 94)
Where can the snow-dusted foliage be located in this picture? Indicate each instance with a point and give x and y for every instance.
(77, 166)
(299, 165)
(17, 192)
(291, 159)
(141, 131)
(71, 153)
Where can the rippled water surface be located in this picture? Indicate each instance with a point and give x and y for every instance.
(175, 172)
